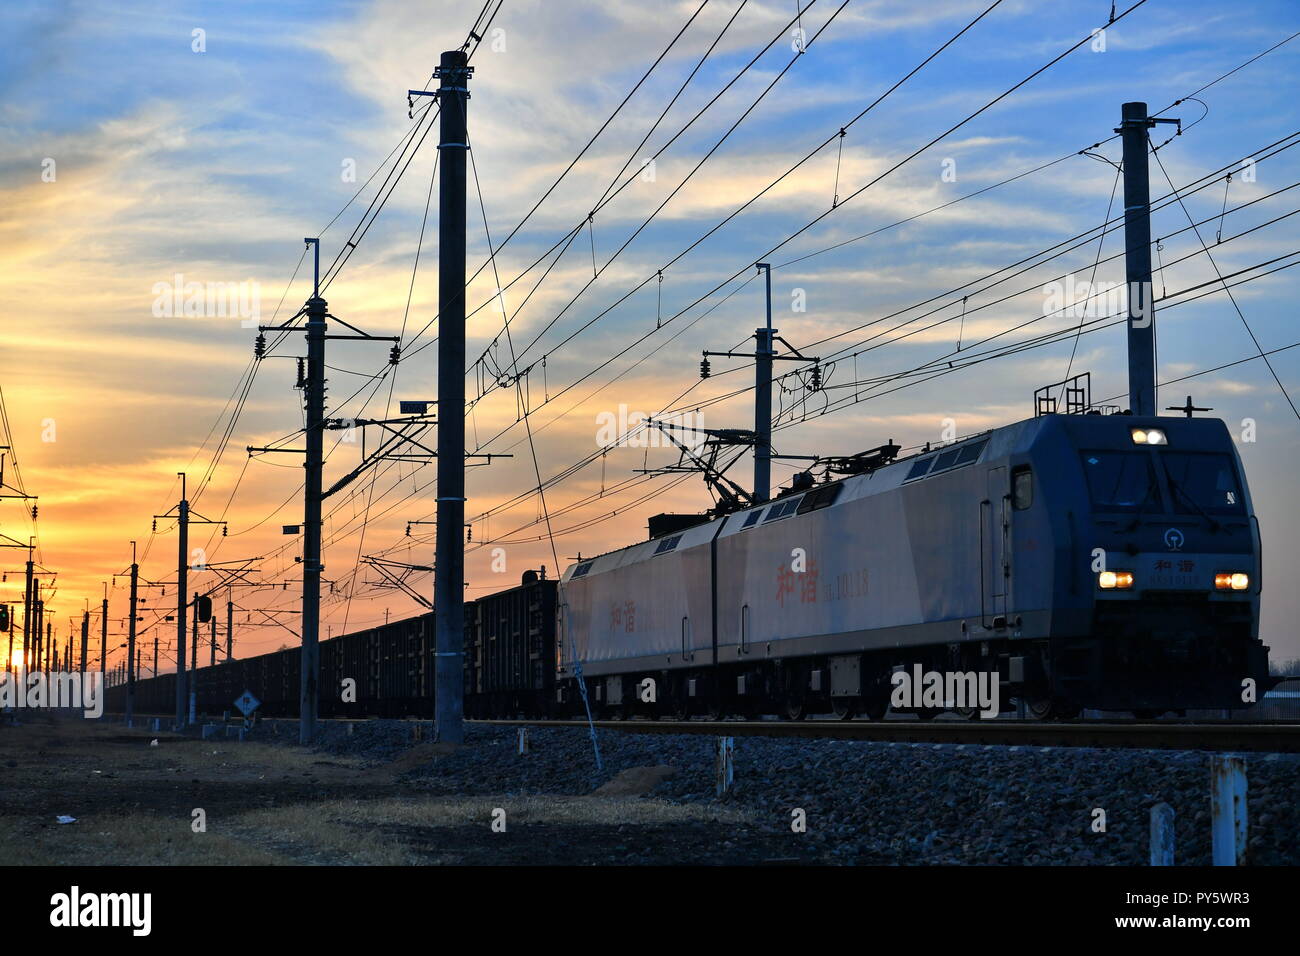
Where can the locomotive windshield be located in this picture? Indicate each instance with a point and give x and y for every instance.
(1121, 480)
(1203, 482)
(1198, 482)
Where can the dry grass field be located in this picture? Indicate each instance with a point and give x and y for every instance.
(263, 804)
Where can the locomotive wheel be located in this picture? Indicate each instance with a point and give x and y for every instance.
(1040, 708)
(1146, 714)
(968, 713)
(794, 696)
(680, 708)
(928, 713)
(844, 708)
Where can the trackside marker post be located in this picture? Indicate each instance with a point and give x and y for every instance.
(1228, 809)
(1162, 835)
(726, 771)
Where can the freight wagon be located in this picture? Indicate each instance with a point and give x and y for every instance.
(509, 666)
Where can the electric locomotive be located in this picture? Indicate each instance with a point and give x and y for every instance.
(1090, 560)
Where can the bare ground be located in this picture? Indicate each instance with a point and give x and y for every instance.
(136, 803)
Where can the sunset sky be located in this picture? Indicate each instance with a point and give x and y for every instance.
(129, 158)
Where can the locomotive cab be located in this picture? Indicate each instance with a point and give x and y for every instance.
(1163, 561)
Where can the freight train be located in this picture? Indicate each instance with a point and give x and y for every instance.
(388, 670)
(1084, 560)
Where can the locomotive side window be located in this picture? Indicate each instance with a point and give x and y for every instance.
(823, 497)
(1022, 489)
(753, 518)
(1121, 480)
(582, 569)
(970, 451)
(783, 508)
(947, 459)
(1203, 481)
(667, 544)
(918, 469)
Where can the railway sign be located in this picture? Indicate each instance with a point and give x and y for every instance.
(247, 703)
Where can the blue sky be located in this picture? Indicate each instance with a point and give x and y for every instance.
(215, 164)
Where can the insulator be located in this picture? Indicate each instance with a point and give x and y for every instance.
(394, 355)
(155, 525)
(33, 512)
(816, 382)
(704, 368)
(302, 374)
(469, 532)
(408, 530)
(225, 530)
(259, 346)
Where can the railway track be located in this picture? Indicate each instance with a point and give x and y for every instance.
(1224, 736)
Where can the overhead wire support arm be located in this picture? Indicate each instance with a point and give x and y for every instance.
(386, 568)
(362, 336)
(262, 451)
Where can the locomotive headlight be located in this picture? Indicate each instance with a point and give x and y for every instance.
(1149, 436)
(1111, 580)
(1231, 581)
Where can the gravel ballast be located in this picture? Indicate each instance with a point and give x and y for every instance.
(866, 802)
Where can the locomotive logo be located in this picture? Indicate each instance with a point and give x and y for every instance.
(1174, 539)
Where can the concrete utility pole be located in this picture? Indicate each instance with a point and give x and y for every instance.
(1137, 258)
(314, 394)
(130, 639)
(184, 518)
(85, 638)
(230, 625)
(182, 600)
(194, 659)
(28, 658)
(155, 655)
(212, 657)
(103, 630)
(38, 629)
(764, 350)
(449, 562)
